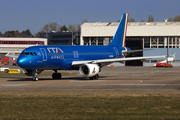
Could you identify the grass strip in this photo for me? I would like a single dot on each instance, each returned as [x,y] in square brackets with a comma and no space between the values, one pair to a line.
[88,105]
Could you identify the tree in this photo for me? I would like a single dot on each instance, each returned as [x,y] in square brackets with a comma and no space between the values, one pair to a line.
[72,28]
[45,28]
[51,27]
[84,21]
[150,18]
[131,20]
[142,21]
[26,33]
[170,19]
[63,28]
[37,34]
[177,18]
[78,27]
[12,34]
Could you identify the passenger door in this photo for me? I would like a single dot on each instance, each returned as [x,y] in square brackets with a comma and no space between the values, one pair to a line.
[44,54]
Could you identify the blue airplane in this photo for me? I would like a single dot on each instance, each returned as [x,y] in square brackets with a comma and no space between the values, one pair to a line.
[87,59]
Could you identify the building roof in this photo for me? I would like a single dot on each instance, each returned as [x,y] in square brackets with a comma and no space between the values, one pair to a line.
[131,24]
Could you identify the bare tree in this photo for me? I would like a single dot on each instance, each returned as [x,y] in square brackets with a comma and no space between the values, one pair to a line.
[50,27]
[177,18]
[150,18]
[45,28]
[131,20]
[72,28]
[53,26]
[78,27]
[170,19]
[84,21]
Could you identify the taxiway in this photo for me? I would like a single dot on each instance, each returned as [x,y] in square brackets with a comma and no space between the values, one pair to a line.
[118,78]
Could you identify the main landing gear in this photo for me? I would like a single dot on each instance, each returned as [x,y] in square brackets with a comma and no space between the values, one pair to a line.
[94,77]
[56,75]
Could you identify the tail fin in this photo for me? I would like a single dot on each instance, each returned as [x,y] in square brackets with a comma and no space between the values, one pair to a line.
[120,36]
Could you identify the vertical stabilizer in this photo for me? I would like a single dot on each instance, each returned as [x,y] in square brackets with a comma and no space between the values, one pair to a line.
[120,36]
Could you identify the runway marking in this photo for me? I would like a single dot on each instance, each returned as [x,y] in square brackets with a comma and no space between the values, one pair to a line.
[142,84]
[14,84]
[145,74]
[87,80]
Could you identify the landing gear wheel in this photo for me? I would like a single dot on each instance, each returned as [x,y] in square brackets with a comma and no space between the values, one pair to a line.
[94,77]
[35,78]
[54,76]
[58,76]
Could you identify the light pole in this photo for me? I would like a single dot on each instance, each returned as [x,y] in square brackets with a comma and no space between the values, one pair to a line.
[72,37]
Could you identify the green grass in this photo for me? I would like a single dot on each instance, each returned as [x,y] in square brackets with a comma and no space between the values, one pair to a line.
[44,73]
[89,105]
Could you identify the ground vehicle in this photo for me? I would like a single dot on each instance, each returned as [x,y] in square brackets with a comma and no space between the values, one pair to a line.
[163,65]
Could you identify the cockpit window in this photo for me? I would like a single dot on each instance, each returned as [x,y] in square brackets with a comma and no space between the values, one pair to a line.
[31,53]
[26,53]
[22,53]
[34,53]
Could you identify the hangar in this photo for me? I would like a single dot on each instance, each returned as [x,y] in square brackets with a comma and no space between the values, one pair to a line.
[140,35]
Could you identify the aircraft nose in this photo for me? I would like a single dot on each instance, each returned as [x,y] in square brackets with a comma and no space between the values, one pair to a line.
[22,62]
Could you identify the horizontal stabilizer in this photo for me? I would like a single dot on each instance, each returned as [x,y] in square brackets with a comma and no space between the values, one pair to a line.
[136,50]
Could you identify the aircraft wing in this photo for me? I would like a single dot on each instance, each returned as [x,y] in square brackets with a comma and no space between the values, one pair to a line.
[114,60]
[13,56]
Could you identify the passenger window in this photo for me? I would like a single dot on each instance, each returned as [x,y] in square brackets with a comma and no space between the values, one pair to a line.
[26,53]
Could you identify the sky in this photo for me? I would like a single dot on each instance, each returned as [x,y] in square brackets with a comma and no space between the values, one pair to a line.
[34,14]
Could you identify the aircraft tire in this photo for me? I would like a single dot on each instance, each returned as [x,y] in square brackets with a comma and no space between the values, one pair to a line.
[96,76]
[35,78]
[58,76]
[54,76]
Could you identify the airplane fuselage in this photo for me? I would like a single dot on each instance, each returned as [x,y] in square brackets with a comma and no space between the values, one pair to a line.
[61,57]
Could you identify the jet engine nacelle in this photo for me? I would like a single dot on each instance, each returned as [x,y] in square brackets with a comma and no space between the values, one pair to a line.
[89,70]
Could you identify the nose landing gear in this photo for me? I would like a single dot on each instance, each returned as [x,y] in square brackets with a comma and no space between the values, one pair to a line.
[35,78]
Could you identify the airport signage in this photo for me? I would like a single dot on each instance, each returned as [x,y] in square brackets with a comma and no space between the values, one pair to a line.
[12,70]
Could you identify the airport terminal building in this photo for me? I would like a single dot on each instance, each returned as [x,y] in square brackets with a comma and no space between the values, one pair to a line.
[140,35]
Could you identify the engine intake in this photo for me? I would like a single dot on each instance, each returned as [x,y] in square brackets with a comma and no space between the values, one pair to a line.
[89,70]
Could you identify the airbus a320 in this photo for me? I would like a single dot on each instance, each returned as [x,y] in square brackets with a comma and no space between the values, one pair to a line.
[87,59]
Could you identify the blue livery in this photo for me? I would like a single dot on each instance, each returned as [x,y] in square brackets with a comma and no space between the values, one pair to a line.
[87,59]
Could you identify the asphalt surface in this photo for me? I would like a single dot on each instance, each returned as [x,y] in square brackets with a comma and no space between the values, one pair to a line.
[118,78]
